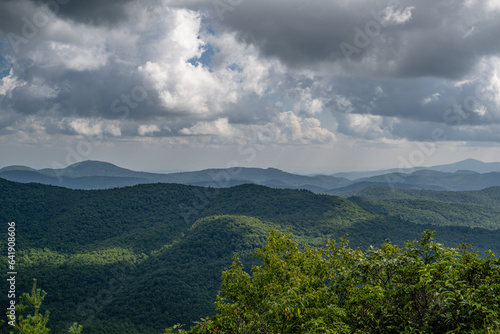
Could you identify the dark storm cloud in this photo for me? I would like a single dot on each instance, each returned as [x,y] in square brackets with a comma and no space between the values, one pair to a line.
[80,70]
[438,132]
[384,69]
[298,32]
[441,38]
[405,98]
[107,93]
[12,14]
[97,12]
[48,76]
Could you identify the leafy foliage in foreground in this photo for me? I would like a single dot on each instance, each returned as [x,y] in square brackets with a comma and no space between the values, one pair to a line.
[421,288]
[35,323]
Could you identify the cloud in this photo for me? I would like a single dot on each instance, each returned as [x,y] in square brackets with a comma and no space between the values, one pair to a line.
[432,98]
[392,16]
[77,58]
[94,128]
[286,128]
[180,70]
[490,90]
[93,12]
[148,129]
[302,130]
[407,38]
[342,103]
[220,127]
[289,129]
[7,84]
[307,103]
[154,54]
[371,127]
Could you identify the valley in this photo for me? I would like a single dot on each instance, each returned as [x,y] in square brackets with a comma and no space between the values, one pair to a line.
[137,259]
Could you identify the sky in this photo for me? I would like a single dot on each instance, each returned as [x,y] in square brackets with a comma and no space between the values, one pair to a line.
[306,86]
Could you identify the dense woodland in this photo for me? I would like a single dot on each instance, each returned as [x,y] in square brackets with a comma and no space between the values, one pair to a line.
[139,259]
[421,288]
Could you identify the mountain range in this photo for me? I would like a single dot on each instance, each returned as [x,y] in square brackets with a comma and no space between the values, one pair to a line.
[464,165]
[134,260]
[464,175]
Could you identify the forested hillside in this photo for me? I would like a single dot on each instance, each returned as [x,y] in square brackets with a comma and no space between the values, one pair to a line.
[421,288]
[443,208]
[139,259]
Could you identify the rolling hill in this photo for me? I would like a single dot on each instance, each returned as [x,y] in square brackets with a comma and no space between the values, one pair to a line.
[471,165]
[445,208]
[101,175]
[424,179]
[138,259]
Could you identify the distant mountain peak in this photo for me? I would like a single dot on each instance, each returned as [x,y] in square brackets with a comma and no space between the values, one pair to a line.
[97,168]
[469,164]
[465,172]
[472,160]
[16,168]
[92,163]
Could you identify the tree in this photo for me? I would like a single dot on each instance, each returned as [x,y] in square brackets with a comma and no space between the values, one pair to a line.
[36,323]
[421,288]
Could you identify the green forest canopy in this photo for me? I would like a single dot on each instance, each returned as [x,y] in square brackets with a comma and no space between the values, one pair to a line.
[421,288]
[127,261]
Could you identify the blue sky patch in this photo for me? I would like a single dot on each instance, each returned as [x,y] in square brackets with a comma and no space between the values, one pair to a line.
[205,59]
[5,67]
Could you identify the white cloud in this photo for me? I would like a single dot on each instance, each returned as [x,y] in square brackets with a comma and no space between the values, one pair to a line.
[7,84]
[309,104]
[198,89]
[31,130]
[343,104]
[434,97]
[286,128]
[394,17]
[289,128]
[493,87]
[77,58]
[493,5]
[93,127]
[366,126]
[480,111]
[255,74]
[484,98]
[69,45]
[86,127]
[113,129]
[148,129]
[220,127]
[36,88]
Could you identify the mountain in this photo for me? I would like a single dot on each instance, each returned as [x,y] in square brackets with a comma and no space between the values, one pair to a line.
[26,176]
[486,197]
[93,168]
[444,208]
[436,180]
[138,259]
[16,168]
[471,165]
[101,175]
[356,187]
